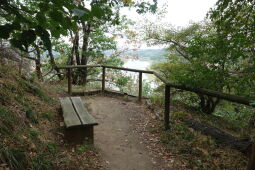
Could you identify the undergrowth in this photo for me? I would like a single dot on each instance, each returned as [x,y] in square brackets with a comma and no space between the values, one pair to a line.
[29,127]
[193,149]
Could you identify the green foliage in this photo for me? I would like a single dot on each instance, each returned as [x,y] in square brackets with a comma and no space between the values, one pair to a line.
[122,81]
[44,18]
[195,65]
[23,28]
[147,90]
[200,57]
[234,21]
[240,117]
[189,99]
[39,24]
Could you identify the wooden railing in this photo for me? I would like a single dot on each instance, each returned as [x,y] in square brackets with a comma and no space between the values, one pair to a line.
[168,85]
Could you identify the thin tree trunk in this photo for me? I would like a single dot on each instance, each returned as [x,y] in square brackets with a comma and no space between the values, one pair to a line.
[75,75]
[38,64]
[71,56]
[208,104]
[76,48]
[243,145]
[54,65]
[21,65]
[84,58]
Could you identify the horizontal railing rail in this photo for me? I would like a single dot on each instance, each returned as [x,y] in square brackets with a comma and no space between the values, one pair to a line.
[168,85]
[77,66]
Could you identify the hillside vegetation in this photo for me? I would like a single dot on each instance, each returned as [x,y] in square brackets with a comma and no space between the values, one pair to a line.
[31,137]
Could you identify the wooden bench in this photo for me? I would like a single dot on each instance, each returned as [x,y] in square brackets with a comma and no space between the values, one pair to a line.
[78,122]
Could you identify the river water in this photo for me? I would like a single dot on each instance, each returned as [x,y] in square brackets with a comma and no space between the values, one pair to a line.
[137,64]
[140,65]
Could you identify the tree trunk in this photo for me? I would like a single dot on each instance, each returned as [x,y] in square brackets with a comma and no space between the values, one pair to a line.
[76,48]
[71,57]
[38,64]
[84,57]
[75,73]
[54,65]
[243,145]
[208,104]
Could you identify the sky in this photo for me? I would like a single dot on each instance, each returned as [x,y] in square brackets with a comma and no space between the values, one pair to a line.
[178,13]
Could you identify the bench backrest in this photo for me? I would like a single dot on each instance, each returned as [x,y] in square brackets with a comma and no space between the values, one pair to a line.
[74,112]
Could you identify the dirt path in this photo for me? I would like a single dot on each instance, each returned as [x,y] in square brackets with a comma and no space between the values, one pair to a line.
[115,136]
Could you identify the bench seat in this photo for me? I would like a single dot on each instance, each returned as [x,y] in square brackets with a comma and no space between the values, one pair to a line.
[78,122]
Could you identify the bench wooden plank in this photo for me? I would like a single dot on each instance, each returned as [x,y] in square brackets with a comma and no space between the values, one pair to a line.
[82,112]
[69,114]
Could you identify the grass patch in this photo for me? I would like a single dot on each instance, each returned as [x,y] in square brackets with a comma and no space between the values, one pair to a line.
[47,116]
[15,158]
[35,90]
[4,96]
[53,148]
[34,134]
[6,116]
[6,121]
[40,162]
[83,148]
[197,150]
[32,116]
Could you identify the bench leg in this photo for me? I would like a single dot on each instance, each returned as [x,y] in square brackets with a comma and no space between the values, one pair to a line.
[78,135]
[90,134]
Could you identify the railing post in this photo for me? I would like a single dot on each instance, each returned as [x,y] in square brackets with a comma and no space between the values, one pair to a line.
[103,79]
[140,86]
[69,76]
[167,106]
